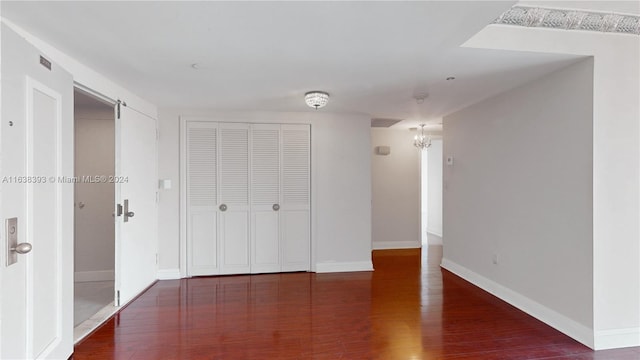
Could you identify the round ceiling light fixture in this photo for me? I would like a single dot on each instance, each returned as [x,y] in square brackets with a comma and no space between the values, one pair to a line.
[316,99]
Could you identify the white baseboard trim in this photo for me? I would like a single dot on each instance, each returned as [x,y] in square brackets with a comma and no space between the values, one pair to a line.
[617,338]
[329,267]
[168,274]
[552,318]
[385,245]
[101,275]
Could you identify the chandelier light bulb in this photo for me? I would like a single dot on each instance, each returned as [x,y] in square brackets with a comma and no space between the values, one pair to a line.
[422,141]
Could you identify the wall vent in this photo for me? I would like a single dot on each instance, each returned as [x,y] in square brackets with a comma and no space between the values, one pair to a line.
[383,123]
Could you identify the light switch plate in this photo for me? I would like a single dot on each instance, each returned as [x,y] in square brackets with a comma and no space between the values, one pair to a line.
[164,184]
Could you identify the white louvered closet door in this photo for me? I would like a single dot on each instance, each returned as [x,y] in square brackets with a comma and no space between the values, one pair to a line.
[295,198]
[265,198]
[202,198]
[233,198]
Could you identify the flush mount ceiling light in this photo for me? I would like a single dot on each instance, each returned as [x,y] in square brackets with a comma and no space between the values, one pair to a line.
[570,20]
[316,99]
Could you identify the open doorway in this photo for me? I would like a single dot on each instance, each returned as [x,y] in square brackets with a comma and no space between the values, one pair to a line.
[94,194]
[431,190]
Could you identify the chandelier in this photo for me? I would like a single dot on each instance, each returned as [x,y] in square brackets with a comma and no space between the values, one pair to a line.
[316,99]
[422,141]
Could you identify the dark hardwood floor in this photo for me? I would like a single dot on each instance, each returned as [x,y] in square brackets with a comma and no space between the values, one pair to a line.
[408,308]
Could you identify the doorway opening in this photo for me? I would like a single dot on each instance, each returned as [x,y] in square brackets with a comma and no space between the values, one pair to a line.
[431,194]
[94,224]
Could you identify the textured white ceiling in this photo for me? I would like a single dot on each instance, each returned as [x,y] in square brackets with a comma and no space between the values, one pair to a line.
[631,7]
[372,57]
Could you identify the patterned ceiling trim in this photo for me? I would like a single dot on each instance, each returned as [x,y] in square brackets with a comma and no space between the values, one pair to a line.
[570,20]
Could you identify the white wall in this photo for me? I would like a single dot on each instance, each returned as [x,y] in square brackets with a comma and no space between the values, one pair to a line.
[520,189]
[94,242]
[434,188]
[340,185]
[616,164]
[395,184]
[169,199]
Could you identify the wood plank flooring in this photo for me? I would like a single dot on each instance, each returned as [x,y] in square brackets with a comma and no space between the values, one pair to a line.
[408,308]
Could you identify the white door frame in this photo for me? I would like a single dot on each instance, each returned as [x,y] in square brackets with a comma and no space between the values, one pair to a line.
[117,222]
[108,102]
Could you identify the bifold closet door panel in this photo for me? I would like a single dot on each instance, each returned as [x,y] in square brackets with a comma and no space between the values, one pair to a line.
[233,208]
[295,240]
[234,235]
[203,254]
[202,198]
[295,198]
[265,246]
[265,198]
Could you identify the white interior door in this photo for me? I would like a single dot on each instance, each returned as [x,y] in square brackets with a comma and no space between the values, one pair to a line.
[36,309]
[202,198]
[136,187]
[295,202]
[265,198]
[234,198]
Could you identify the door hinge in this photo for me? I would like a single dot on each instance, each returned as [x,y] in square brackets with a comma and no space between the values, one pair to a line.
[118,104]
[118,298]
[156,259]
[157,196]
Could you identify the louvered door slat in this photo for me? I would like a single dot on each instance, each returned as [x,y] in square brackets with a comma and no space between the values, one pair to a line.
[265,159]
[295,165]
[201,166]
[234,166]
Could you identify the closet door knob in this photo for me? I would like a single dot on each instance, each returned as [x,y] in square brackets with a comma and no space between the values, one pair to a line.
[223,207]
[275,207]
[22,248]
